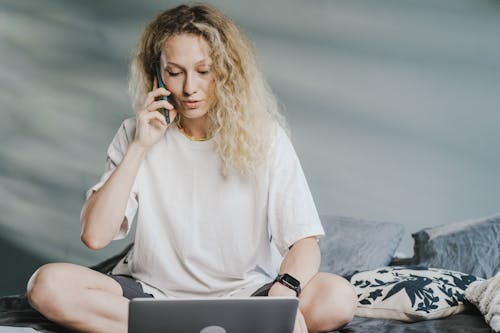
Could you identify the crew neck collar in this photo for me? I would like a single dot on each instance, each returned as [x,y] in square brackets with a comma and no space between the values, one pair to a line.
[198,144]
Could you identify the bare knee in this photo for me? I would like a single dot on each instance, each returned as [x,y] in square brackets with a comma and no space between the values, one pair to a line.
[333,303]
[44,288]
[349,300]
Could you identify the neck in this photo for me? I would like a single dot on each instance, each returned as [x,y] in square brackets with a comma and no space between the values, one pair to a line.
[195,128]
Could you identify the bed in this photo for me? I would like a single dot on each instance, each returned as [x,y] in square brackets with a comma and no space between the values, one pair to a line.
[16,313]
[364,250]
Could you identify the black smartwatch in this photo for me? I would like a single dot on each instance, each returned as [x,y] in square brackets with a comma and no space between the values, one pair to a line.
[289,281]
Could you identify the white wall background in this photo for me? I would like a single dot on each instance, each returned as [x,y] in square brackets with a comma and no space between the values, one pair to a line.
[394,107]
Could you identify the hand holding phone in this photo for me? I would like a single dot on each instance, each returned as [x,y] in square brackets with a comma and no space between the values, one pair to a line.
[161,84]
[150,125]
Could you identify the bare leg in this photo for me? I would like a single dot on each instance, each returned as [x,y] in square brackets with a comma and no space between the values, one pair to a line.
[79,298]
[327,302]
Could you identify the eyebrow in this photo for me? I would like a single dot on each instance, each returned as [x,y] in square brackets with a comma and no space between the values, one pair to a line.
[198,62]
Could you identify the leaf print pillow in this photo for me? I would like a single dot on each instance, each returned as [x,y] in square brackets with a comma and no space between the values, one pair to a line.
[410,293]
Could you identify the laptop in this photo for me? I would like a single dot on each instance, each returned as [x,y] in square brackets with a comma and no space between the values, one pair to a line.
[213,315]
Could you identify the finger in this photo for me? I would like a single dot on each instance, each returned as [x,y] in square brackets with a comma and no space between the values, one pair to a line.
[161,91]
[155,115]
[141,113]
[159,105]
[152,95]
[155,83]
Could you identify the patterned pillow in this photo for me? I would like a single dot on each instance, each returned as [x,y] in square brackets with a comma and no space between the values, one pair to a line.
[410,293]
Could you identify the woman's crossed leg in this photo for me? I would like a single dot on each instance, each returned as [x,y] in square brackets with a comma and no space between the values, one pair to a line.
[79,298]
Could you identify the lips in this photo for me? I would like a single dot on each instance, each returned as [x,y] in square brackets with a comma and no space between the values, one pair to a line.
[192,104]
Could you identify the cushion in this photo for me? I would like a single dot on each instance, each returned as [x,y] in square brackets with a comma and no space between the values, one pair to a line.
[485,295]
[410,293]
[351,245]
[469,246]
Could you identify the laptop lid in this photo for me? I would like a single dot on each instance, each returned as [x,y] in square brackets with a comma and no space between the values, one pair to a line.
[213,315]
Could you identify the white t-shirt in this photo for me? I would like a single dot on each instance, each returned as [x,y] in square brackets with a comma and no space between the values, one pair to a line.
[200,233]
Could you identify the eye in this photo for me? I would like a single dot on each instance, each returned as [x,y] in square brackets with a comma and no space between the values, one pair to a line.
[204,72]
[173,73]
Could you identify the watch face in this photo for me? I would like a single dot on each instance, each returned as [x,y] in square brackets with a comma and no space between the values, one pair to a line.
[290,280]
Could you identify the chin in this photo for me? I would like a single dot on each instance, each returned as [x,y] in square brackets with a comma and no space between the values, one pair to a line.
[194,113]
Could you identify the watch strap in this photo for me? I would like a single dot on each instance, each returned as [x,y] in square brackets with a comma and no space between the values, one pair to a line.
[289,281]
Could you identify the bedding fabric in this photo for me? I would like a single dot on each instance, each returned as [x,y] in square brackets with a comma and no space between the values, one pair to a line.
[460,323]
[485,295]
[470,246]
[351,245]
[16,313]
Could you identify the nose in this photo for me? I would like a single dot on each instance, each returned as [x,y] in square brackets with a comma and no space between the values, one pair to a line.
[189,85]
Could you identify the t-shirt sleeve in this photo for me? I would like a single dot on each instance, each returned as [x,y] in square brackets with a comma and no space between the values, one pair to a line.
[292,214]
[115,153]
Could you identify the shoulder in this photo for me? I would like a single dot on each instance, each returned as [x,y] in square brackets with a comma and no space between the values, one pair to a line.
[281,151]
[280,135]
[282,139]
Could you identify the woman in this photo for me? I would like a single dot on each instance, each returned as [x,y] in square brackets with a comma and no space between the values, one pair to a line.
[216,191]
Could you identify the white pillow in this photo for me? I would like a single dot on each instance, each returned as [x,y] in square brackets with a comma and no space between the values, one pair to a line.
[410,293]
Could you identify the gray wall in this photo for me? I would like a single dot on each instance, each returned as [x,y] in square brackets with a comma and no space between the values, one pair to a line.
[393,105]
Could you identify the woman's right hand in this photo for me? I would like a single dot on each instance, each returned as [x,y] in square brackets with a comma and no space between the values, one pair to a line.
[150,123]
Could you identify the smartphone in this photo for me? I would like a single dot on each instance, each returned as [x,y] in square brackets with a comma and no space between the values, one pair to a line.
[161,84]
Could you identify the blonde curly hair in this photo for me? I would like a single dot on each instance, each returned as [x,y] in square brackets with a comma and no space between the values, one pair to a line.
[245,112]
